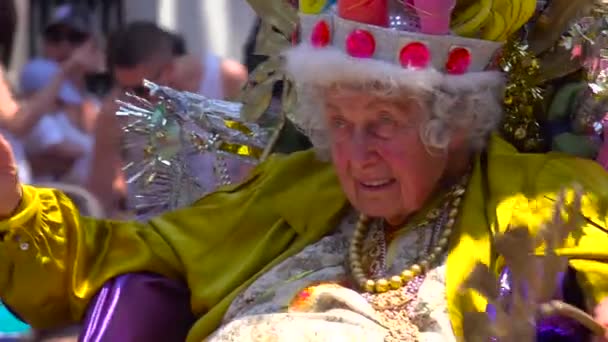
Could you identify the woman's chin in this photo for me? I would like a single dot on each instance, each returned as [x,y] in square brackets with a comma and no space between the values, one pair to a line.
[378,210]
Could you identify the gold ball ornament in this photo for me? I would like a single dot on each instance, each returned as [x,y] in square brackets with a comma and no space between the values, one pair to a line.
[382,285]
[396,282]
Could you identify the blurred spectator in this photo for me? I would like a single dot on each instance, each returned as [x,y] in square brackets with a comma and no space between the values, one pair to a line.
[179,45]
[17,119]
[59,146]
[8,23]
[139,51]
[142,50]
[70,27]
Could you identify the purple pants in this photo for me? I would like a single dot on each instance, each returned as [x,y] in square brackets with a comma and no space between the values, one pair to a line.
[146,307]
[139,307]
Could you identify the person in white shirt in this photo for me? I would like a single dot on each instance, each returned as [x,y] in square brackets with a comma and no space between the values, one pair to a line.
[19,117]
[59,140]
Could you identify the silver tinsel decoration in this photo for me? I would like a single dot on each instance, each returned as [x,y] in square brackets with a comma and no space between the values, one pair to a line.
[181,146]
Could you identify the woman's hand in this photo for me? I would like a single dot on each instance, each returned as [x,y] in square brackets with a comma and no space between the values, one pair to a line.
[10,189]
[601,315]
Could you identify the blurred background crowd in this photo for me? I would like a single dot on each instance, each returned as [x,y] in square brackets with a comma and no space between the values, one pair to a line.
[65,63]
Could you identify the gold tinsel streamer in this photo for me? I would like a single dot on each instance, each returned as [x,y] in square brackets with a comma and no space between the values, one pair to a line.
[522,96]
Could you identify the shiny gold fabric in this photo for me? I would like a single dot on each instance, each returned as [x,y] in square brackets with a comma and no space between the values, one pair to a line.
[52,261]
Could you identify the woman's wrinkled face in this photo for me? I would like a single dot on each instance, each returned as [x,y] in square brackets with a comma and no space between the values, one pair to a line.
[384,167]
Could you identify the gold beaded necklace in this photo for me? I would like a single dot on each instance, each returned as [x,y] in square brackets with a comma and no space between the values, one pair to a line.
[454,199]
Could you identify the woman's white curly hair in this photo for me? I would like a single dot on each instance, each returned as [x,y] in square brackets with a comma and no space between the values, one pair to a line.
[471,100]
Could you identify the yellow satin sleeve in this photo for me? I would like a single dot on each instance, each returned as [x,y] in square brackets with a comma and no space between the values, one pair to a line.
[53,261]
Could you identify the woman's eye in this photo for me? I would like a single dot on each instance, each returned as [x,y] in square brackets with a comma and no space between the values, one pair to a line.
[385,127]
[387,119]
[339,128]
[338,123]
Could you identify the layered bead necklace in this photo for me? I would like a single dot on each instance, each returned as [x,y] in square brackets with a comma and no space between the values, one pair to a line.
[393,298]
[397,281]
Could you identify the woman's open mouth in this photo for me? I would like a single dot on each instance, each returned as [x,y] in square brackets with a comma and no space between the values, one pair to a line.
[378,184]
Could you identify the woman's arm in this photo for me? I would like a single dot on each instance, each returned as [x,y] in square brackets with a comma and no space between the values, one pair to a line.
[53,261]
[234,77]
[8,105]
[106,179]
[20,118]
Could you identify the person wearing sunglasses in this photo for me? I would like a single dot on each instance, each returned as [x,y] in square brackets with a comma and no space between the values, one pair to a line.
[69,31]
[70,26]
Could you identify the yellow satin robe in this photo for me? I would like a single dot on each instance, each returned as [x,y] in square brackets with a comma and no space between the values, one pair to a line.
[52,260]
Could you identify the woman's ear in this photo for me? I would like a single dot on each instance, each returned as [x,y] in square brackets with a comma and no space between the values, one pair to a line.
[458,139]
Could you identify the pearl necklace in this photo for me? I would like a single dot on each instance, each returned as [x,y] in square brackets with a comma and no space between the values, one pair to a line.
[454,198]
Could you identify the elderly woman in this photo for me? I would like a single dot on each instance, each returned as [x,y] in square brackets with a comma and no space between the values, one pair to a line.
[372,245]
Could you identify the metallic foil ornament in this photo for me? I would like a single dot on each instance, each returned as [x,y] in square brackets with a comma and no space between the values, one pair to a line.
[587,41]
[180,146]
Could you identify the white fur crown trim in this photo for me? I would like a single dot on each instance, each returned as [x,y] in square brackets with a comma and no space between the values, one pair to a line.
[311,66]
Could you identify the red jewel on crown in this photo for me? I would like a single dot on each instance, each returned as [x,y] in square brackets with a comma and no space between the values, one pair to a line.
[459,61]
[360,44]
[415,55]
[321,34]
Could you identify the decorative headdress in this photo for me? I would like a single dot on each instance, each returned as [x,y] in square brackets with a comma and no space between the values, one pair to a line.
[534,43]
[418,44]
[417,37]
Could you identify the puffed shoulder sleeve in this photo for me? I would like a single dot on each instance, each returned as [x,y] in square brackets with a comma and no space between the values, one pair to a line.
[52,260]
